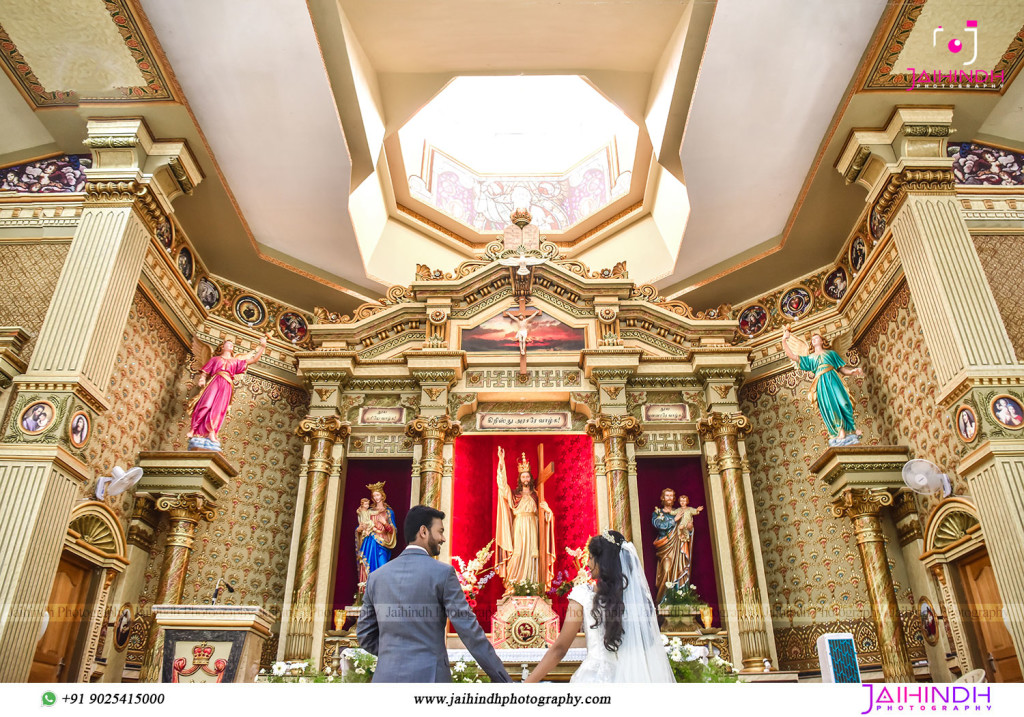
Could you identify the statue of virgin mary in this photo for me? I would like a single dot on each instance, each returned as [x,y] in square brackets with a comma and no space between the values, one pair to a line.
[525,535]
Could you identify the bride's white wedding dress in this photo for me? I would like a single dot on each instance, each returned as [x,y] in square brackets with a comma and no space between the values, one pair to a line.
[641,655]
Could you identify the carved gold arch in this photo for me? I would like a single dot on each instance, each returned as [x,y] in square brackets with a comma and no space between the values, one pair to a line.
[953,530]
[95,534]
[953,525]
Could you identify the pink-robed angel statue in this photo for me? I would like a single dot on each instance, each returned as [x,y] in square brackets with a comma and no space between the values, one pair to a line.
[217,385]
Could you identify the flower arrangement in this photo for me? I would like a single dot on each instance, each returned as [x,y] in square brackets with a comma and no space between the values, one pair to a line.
[691,663]
[677,595]
[564,582]
[362,665]
[472,576]
[301,671]
[467,671]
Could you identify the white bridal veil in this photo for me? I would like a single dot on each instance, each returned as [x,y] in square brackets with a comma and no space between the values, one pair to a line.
[641,656]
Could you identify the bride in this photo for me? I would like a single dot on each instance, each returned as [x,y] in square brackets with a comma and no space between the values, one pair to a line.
[623,641]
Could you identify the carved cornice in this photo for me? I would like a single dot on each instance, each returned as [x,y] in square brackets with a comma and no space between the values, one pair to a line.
[612,375]
[857,502]
[111,142]
[445,376]
[135,193]
[716,424]
[604,427]
[440,427]
[329,428]
[912,180]
[382,384]
[187,506]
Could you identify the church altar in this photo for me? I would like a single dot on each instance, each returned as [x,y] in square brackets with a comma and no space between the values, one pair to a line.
[601,394]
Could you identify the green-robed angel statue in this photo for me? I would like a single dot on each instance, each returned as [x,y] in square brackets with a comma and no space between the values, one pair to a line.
[827,389]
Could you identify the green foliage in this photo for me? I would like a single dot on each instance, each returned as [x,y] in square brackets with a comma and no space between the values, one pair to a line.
[527,588]
[467,671]
[682,596]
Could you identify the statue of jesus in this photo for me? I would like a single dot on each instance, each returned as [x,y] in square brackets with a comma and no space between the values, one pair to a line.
[525,535]
[522,333]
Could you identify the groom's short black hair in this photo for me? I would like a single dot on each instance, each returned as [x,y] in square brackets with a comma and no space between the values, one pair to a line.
[420,515]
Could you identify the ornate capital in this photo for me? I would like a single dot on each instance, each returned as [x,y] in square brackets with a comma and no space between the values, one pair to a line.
[329,428]
[857,502]
[192,507]
[442,427]
[604,427]
[912,180]
[438,375]
[717,424]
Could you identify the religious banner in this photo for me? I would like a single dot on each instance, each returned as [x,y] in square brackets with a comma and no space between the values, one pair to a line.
[554,420]
[382,415]
[666,412]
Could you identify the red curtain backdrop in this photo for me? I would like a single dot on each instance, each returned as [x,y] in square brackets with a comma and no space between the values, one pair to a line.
[685,476]
[397,475]
[570,492]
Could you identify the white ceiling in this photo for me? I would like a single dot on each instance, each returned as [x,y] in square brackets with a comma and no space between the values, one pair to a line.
[772,77]
[254,77]
[519,35]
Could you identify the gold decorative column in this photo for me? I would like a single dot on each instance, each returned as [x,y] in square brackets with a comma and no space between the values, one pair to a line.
[726,430]
[615,432]
[863,505]
[321,434]
[912,192]
[433,433]
[185,512]
[862,480]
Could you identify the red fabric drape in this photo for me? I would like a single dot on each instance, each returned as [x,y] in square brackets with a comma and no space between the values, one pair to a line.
[685,476]
[570,492]
[397,475]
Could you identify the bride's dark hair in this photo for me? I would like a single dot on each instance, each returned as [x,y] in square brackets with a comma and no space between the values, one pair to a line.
[608,607]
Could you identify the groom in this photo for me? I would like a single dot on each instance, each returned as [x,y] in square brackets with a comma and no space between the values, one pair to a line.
[407,604]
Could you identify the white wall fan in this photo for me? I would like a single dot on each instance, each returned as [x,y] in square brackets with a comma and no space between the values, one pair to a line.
[118,482]
[926,478]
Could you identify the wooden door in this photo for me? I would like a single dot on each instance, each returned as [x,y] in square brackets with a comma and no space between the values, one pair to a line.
[55,651]
[985,611]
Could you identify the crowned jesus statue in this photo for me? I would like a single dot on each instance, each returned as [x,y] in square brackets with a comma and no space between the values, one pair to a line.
[525,535]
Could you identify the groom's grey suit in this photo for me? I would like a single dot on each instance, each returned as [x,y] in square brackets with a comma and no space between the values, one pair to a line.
[406,606]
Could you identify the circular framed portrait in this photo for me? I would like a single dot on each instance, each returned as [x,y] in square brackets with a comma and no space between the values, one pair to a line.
[292,327]
[165,233]
[753,319]
[858,253]
[36,417]
[796,302]
[876,224]
[1008,412]
[185,265]
[208,293]
[123,627]
[966,424]
[835,284]
[80,429]
[250,311]
[929,621]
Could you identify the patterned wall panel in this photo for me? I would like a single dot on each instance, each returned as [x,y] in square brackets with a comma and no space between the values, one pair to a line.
[811,561]
[813,569]
[901,388]
[30,274]
[1000,257]
[144,398]
[247,543]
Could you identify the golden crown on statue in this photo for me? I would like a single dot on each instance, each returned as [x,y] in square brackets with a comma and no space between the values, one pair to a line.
[376,486]
[524,464]
[201,654]
[521,217]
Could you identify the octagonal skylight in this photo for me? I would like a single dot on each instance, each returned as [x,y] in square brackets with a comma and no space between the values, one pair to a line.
[487,145]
